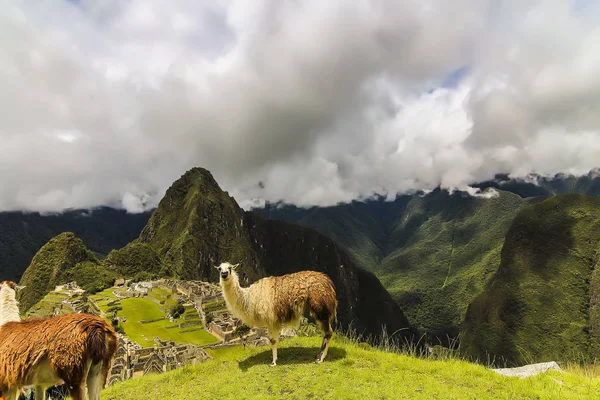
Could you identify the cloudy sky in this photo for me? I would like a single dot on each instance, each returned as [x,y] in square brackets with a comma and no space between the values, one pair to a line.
[107,102]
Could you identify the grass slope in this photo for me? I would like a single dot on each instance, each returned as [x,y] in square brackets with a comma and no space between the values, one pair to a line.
[350,372]
[52,302]
[542,303]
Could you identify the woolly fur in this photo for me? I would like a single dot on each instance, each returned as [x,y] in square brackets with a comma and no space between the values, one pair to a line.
[9,306]
[74,347]
[280,301]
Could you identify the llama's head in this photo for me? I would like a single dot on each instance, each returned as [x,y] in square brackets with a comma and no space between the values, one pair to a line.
[10,285]
[226,270]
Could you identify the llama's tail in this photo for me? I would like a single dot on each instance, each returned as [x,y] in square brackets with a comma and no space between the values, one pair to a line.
[101,341]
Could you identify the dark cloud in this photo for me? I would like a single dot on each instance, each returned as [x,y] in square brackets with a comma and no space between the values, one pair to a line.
[106,103]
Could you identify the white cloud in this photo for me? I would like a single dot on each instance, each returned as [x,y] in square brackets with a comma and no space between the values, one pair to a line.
[106,103]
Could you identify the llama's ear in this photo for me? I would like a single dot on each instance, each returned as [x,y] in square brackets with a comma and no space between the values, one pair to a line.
[234,266]
[217,267]
[19,287]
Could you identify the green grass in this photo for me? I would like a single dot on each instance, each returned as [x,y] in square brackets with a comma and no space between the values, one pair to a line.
[136,309]
[101,299]
[217,305]
[46,305]
[349,372]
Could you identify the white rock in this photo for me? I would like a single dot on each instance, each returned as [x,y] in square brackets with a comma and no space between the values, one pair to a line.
[528,370]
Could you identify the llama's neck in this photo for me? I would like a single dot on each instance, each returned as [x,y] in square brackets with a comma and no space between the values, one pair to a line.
[235,295]
[9,306]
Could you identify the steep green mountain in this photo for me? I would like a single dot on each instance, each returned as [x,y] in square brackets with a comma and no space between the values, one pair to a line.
[442,252]
[433,252]
[536,185]
[543,302]
[102,229]
[63,259]
[197,226]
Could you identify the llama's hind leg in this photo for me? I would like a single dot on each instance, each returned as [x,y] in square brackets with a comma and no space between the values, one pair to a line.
[274,338]
[328,332]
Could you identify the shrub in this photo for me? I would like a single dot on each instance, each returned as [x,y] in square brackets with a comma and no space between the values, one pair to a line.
[178,309]
[241,330]
[119,329]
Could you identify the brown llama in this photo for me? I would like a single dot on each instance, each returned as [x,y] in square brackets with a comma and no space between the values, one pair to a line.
[280,301]
[77,348]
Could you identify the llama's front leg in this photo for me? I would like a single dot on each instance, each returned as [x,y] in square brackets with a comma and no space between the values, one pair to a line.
[77,392]
[40,392]
[274,338]
[95,381]
[11,394]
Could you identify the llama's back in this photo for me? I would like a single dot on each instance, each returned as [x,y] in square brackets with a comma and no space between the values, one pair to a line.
[66,342]
[293,293]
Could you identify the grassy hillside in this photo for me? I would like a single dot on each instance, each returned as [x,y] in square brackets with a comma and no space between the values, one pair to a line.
[350,372]
[443,251]
[102,230]
[134,260]
[58,302]
[542,303]
[63,259]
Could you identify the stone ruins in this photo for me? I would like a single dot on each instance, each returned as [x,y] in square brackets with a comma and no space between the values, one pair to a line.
[132,359]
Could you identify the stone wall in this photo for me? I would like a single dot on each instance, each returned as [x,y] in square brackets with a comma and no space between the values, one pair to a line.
[131,360]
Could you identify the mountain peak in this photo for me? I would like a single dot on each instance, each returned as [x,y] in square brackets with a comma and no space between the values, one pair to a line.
[64,258]
[197,173]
